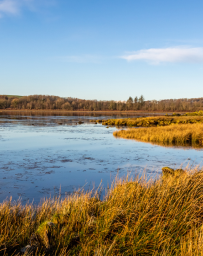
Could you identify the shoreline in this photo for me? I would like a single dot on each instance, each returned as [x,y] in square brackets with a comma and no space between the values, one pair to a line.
[87,111]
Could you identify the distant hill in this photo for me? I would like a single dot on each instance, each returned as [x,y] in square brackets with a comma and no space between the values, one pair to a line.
[45,102]
[12,96]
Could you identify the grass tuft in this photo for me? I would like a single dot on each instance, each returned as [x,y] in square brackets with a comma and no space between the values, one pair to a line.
[154,121]
[137,217]
[184,134]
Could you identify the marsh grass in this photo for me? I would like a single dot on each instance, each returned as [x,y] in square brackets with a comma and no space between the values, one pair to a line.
[154,121]
[197,113]
[184,134]
[137,217]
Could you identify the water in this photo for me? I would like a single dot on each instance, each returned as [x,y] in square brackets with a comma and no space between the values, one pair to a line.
[42,156]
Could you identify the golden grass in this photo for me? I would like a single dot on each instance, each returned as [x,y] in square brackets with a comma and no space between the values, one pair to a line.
[137,217]
[197,113]
[184,134]
[154,121]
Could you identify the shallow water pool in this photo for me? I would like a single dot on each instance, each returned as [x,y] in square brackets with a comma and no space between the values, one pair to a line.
[44,156]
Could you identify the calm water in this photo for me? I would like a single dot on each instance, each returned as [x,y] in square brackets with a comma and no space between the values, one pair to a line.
[40,156]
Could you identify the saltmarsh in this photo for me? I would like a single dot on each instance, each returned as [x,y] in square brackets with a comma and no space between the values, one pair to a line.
[177,134]
[154,121]
[137,217]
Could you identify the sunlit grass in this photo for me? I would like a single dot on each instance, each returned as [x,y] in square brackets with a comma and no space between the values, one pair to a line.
[184,134]
[137,217]
[197,113]
[154,121]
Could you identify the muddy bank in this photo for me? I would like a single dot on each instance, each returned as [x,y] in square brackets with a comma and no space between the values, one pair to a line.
[79,113]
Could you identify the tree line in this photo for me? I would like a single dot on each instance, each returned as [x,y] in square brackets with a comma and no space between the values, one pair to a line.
[45,102]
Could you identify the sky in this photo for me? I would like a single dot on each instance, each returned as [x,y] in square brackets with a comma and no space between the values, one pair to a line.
[102,49]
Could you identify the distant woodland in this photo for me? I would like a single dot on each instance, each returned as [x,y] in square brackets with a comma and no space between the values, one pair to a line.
[44,102]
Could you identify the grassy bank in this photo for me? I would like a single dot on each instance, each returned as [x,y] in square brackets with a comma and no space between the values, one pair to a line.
[154,121]
[197,113]
[136,218]
[129,112]
[184,134]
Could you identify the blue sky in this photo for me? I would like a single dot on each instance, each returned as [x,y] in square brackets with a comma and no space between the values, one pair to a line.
[102,49]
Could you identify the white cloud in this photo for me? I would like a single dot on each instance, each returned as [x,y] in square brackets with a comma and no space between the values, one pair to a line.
[9,6]
[171,55]
[14,7]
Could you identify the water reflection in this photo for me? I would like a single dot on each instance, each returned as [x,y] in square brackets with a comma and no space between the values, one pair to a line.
[165,144]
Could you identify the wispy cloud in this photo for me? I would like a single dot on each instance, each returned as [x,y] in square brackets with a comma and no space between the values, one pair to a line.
[14,7]
[11,6]
[171,55]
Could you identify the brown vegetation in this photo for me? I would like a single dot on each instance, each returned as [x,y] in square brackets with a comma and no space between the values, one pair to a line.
[137,217]
[54,102]
[154,121]
[197,113]
[181,134]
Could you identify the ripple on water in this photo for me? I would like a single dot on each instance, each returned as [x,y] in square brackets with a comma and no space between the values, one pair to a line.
[44,159]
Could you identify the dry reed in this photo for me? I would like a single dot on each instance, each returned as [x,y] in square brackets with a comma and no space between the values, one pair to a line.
[185,134]
[154,121]
[137,217]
